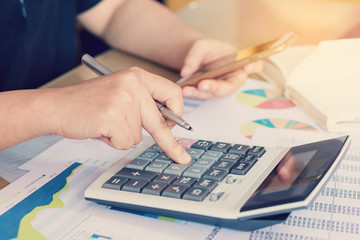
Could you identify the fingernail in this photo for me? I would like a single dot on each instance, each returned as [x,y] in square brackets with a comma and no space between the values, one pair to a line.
[185,157]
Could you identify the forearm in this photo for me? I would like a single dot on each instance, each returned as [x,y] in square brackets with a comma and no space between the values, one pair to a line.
[22,116]
[149,30]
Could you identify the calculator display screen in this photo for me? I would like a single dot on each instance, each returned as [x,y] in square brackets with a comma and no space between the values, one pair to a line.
[296,175]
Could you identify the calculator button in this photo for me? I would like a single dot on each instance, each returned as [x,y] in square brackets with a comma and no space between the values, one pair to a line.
[224,165]
[207,163]
[231,157]
[174,191]
[212,155]
[165,178]
[257,151]
[196,194]
[134,173]
[195,153]
[134,185]
[206,183]
[186,142]
[176,169]
[202,144]
[148,155]
[164,157]
[154,188]
[215,174]
[241,168]
[156,166]
[249,159]
[155,148]
[195,171]
[221,146]
[138,164]
[115,183]
[239,149]
[185,181]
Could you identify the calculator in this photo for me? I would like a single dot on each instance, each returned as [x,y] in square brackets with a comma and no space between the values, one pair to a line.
[226,184]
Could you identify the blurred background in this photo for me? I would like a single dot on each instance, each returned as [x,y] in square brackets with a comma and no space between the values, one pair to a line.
[249,22]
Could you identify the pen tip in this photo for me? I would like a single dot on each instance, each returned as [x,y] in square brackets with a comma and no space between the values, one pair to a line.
[190,129]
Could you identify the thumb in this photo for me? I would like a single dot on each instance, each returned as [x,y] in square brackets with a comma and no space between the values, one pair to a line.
[193,60]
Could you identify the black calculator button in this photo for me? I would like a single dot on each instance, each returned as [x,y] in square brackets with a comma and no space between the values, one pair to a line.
[115,183]
[202,144]
[241,168]
[249,159]
[257,151]
[136,174]
[174,191]
[210,184]
[154,188]
[224,165]
[239,149]
[231,157]
[215,174]
[165,178]
[196,194]
[221,147]
[185,181]
[134,185]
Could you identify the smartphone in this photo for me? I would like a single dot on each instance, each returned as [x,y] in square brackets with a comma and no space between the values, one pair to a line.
[240,59]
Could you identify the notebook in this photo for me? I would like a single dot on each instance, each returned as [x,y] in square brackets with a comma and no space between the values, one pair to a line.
[226,184]
[323,80]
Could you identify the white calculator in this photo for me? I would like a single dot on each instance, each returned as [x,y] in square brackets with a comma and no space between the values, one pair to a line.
[226,184]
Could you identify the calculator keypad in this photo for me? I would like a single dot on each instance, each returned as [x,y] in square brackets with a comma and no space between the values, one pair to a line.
[153,172]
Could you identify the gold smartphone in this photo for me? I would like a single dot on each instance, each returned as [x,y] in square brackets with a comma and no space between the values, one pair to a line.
[240,59]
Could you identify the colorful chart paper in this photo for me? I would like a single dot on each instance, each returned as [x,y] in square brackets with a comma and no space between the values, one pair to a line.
[248,129]
[264,98]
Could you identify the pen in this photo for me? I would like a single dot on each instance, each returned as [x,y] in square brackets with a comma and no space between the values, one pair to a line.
[102,70]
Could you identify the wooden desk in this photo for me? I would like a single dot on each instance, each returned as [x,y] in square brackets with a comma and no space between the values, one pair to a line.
[115,60]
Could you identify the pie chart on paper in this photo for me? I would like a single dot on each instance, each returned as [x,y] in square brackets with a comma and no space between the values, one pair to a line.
[248,129]
[264,98]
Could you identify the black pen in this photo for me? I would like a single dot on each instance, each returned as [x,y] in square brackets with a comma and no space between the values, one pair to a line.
[102,70]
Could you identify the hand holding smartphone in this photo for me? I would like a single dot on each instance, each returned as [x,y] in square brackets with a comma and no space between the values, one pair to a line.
[242,58]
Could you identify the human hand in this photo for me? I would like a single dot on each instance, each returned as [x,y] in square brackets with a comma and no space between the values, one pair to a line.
[115,107]
[206,52]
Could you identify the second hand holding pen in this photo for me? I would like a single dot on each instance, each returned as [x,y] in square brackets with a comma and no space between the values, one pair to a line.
[101,70]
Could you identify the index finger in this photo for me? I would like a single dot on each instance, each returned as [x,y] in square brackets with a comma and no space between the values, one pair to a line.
[156,126]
